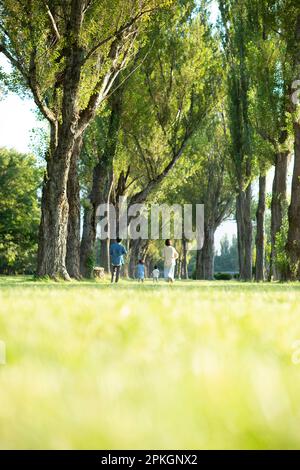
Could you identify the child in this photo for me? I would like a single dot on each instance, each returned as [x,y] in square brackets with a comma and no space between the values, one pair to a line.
[140,271]
[155,274]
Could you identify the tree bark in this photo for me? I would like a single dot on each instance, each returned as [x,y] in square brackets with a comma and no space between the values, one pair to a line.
[87,246]
[178,267]
[104,255]
[260,231]
[185,274]
[73,241]
[244,229]
[54,217]
[279,201]
[205,256]
[134,255]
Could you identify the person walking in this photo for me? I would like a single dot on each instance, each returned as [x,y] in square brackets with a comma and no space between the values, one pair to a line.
[155,274]
[117,252]
[140,271]
[170,256]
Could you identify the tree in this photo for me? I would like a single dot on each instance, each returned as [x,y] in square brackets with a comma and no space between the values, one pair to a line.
[291,25]
[210,185]
[236,31]
[20,180]
[269,107]
[227,260]
[68,54]
[260,231]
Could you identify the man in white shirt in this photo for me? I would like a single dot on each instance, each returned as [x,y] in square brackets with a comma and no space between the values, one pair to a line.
[170,256]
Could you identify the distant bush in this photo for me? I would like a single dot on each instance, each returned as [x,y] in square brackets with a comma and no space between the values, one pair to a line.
[193,275]
[228,259]
[19,212]
[223,277]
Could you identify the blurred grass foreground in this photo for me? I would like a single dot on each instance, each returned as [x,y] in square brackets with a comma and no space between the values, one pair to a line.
[197,365]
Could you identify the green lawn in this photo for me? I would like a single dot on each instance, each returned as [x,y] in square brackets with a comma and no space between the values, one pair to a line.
[192,365]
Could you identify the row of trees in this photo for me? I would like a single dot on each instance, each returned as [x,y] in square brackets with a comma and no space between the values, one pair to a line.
[261,43]
[147,99]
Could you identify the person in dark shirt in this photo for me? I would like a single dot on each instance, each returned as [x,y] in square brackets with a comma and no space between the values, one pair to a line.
[117,252]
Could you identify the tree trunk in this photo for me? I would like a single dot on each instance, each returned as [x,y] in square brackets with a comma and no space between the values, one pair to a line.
[101,187]
[279,200]
[179,267]
[260,231]
[98,196]
[185,274]
[104,255]
[55,207]
[205,256]
[87,246]
[54,216]
[137,250]
[293,242]
[134,255]
[73,241]
[147,267]
[244,229]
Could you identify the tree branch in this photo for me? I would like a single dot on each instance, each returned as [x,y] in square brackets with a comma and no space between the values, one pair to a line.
[117,33]
[265,136]
[104,84]
[54,25]
[34,86]
[141,152]
[13,60]
[143,194]
[30,79]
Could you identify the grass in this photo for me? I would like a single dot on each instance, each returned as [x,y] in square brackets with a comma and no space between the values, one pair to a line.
[193,365]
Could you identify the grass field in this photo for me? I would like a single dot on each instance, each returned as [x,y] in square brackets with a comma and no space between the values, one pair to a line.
[193,365]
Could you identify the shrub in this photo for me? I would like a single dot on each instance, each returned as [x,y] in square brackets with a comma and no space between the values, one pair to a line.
[223,276]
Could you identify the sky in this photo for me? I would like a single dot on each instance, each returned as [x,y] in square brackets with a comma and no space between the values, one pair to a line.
[16,123]
[214,11]
[17,118]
